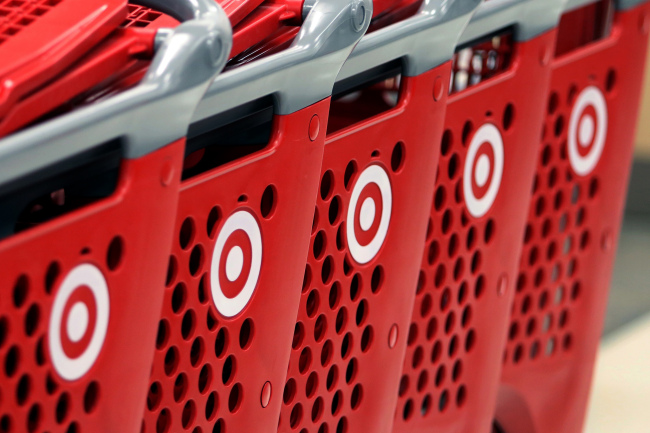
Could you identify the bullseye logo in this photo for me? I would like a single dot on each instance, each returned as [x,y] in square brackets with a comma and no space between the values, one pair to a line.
[369,214]
[483,170]
[78,321]
[236,263]
[587,130]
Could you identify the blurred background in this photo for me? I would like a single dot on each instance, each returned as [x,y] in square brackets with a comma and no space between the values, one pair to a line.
[621,391]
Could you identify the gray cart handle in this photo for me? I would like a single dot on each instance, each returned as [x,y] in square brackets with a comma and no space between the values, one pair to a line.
[530,18]
[147,117]
[425,40]
[304,73]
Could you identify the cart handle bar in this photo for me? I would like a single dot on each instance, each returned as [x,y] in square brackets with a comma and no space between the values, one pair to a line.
[147,117]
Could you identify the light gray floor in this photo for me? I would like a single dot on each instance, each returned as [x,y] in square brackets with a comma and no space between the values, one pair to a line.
[621,388]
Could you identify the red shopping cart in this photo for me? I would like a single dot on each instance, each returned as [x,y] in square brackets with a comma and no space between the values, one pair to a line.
[249,180]
[81,274]
[501,71]
[375,190]
[575,214]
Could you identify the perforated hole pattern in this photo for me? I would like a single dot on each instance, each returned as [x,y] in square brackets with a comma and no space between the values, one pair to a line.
[140,16]
[196,384]
[34,398]
[549,288]
[333,337]
[16,15]
[477,63]
[451,286]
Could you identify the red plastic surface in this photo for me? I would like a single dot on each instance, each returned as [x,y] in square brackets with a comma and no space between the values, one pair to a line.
[213,372]
[130,254]
[255,25]
[571,234]
[451,370]
[40,39]
[140,16]
[390,7]
[352,323]
[256,35]
[122,56]
[236,10]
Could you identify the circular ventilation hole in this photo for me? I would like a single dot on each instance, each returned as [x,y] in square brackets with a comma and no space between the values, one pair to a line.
[269,201]
[205,378]
[187,233]
[221,343]
[327,185]
[228,370]
[21,290]
[235,398]
[115,253]
[397,157]
[91,397]
[213,218]
[246,334]
[180,387]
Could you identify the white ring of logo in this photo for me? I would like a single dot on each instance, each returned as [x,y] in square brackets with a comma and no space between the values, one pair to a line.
[241,220]
[82,275]
[377,175]
[480,206]
[583,165]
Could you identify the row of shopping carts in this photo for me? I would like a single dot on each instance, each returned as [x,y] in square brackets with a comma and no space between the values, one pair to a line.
[317,216]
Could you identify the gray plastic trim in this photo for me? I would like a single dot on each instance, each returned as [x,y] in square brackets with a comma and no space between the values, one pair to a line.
[151,115]
[628,4]
[570,5]
[425,40]
[304,73]
[530,18]
[619,4]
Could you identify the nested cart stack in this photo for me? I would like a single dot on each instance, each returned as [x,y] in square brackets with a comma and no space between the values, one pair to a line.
[501,70]
[376,186]
[242,228]
[307,216]
[81,276]
[576,206]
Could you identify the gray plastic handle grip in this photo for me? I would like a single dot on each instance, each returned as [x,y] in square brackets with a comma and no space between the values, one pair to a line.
[425,40]
[530,18]
[153,114]
[304,73]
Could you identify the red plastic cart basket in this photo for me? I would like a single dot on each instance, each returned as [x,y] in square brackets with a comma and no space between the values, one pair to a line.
[242,232]
[39,39]
[451,371]
[256,24]
[376,187]
[87,210]
[574,218]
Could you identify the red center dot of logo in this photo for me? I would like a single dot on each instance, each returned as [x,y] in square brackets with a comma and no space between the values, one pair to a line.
[235,263]
[482,170]
[367,215]
[78,322]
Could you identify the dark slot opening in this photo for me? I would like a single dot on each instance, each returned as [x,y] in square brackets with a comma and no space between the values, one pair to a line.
[60,188]
[496,427]
[228,136]
[365,95]
[583,26]
[481,59]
